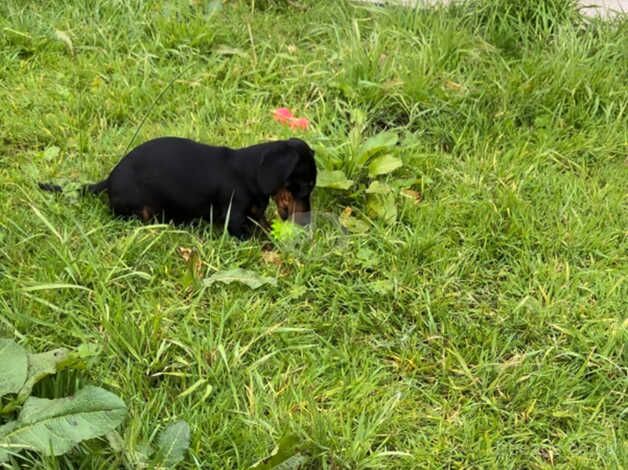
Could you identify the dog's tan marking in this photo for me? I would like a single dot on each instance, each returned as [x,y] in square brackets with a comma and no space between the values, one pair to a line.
[146,213]
[286,203]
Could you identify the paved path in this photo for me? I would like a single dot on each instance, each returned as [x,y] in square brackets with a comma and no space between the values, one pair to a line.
[604,8]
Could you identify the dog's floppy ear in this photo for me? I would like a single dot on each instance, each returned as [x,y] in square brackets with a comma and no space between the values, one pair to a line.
[275,167]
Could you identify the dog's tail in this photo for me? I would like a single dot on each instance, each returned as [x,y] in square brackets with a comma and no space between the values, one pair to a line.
[53,188]
[95,188]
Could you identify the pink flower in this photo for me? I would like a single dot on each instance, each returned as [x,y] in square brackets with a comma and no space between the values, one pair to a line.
[299,123]
[283,115]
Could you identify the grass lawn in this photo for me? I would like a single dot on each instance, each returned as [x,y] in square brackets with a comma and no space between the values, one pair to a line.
[481,326]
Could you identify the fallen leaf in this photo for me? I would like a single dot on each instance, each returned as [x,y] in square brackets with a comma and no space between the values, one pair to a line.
[194,265]
[65,38]
[242,276]
[453,85]
[226,50]
[186,253]
[411,194]
[352,224]
[272,257]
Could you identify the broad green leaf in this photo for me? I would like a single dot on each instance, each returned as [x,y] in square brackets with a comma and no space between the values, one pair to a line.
[6,449]
[88,350]
[138,454]
[283,457]
[400,183]
[77,359]
[284,230]
[382,287]
[358,117]
[115,441]
[172,444]
[333,179]
[51,153]
[14,366]
[52,427]
[382,207]
[292,463]
[367,257]
[384,165]
[81,356]
[243,276]
[377,143]
[40,366]
[377,187]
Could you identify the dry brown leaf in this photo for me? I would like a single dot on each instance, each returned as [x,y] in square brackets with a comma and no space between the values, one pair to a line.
[191,258]
[272,257]
[185,253]
[65,38]
[453,85]
[411,194]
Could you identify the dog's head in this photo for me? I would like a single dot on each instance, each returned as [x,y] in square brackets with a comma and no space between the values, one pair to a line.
[287,172]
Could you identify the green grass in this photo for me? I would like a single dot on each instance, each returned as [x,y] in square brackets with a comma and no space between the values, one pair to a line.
[498,340]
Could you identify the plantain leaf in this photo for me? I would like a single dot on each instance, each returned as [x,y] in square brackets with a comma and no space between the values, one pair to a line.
[39,366]
[14,370]
[377,187]
[333,179]
[383,207]
[53,427]
[51,153]
[173,443]
[384,165]
[284,456]
[292,463]
[377,143]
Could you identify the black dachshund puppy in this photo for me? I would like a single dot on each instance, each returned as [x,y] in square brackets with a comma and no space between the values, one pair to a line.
[181,180]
